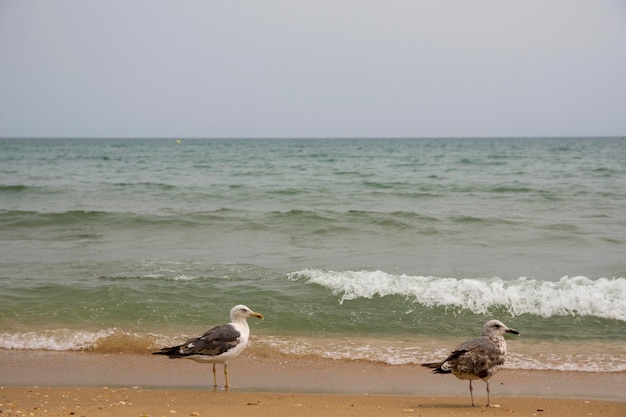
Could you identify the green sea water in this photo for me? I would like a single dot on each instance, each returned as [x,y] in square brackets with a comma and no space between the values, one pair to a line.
[388,250]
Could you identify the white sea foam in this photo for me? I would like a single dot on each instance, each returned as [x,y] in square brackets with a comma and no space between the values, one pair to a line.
[581,357]
[578,296]
[57,339]
[183,277]
[563,356]
[63,339]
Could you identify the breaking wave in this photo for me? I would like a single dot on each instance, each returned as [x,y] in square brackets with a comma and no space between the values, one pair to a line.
[569,296]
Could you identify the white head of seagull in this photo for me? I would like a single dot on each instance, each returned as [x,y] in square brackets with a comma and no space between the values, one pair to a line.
[494,328]
[240,313]
[218,344]
[478,358]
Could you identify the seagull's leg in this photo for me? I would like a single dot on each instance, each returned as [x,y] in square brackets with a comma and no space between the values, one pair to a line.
[214,377]
[226,375]
[472,393]
[488,390]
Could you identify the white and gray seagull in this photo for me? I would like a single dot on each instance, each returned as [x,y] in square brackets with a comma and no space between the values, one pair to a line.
[478,358]
[219,344]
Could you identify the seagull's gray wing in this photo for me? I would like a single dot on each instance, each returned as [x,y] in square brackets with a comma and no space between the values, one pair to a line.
[213,342]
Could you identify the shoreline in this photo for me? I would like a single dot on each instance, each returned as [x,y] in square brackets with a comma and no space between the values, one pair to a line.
[286,374]
[44,383]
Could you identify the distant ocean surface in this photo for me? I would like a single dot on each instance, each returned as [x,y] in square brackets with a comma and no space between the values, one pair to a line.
[385,250]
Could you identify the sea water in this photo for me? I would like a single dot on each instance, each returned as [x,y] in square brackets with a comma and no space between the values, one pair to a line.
[386,250]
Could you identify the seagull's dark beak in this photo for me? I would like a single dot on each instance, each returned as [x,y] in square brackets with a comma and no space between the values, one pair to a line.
[257,315]
[513,331]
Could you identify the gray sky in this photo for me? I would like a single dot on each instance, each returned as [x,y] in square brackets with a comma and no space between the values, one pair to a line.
[322,68]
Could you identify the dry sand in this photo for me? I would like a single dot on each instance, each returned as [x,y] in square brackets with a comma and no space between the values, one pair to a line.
[139,402]
[35,383]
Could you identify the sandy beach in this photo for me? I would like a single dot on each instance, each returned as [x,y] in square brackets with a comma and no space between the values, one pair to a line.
[138,402]
[40,383]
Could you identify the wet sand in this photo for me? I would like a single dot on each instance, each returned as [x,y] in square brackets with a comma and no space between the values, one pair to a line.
[91,384]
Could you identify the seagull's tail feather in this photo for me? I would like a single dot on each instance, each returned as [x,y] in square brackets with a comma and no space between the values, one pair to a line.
[172,352]
[445,367]
[437,367]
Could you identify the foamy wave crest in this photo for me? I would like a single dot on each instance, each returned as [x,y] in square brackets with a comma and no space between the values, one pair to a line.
[105,340]
[576,296]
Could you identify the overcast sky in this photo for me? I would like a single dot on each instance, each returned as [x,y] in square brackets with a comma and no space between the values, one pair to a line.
[319,68]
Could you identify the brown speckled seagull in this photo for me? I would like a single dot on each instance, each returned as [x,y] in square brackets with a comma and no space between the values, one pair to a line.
[219,344]
[478,358]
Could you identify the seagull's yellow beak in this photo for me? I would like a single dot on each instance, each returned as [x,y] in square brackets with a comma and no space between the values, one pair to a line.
[258,315]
